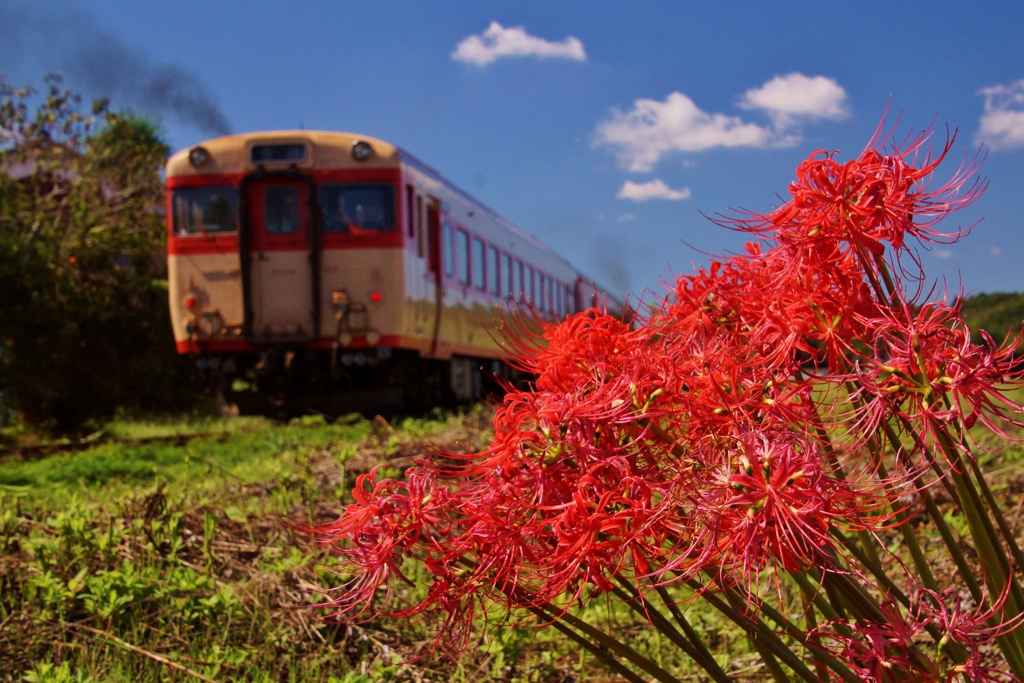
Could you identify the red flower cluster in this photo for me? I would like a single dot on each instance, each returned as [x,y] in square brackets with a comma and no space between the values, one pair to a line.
[740,426]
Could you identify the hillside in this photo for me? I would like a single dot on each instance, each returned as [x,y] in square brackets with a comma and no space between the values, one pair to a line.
[995,313]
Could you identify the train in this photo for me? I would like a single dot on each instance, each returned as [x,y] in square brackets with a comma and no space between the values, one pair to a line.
[339,266]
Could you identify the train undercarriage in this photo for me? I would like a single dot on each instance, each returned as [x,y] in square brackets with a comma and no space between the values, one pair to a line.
[285,383]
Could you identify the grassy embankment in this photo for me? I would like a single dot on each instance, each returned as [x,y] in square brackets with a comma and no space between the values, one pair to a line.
[151,560]
[157,560]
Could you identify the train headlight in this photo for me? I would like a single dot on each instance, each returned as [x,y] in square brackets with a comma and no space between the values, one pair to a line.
[372,337]
[198,156]
[361,150]
[345,339]
[339,298]
[211,324]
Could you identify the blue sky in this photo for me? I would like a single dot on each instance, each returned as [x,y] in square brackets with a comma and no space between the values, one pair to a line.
[605,129]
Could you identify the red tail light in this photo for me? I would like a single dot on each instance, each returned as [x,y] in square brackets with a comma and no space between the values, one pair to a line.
[190,301]
[376,297]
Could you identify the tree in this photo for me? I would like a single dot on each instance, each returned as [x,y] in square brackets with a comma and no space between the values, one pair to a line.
[84,322]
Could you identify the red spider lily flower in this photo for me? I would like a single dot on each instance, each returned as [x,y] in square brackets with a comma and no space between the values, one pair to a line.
[880,651]
[975,671]
[926,371]
[870,200]
[388,521]
[971,629]
[770,503]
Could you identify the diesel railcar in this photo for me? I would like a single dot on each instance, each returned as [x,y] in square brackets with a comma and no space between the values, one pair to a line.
[339,265]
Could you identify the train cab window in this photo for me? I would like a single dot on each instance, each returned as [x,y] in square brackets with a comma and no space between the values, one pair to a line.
[477,268]
[506,276]
[281,209]
[410,209]
[517,281]
[358,208]
[205,210]
[493,274]
[531,288]
[447,248]
[462,254]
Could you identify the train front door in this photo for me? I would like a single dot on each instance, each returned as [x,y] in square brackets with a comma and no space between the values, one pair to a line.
[281,268]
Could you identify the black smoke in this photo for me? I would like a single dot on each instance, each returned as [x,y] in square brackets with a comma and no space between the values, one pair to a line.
[607,254]
[59,38]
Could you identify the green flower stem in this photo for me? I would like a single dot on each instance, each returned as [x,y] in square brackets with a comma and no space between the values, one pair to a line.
[808,642]
[811,622]
[629,595]
[993,506]
[552,614]
[994,562]
[589,646]
[680,618]
[614,644]
[769,660]
[875,568]
[754,627]
[1009,644]
[917,555]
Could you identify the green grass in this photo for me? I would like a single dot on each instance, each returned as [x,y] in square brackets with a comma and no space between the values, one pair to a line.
[135,560]
[138,560]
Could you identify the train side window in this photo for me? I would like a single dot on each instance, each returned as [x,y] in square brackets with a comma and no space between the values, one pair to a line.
[462,255]
[569,302]
[446,248]
[410,209]
[542,295]
[493,274]
[560,298]
[420,232]
[204,210]
[531,285]
[517,281]
[477,267]
[506,276]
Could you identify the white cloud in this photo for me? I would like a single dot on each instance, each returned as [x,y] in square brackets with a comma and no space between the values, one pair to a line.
[787,99]
[651,129]
[944,254]
[1002,124]
[625,217]
[994,251]
[653,189]
[498,41]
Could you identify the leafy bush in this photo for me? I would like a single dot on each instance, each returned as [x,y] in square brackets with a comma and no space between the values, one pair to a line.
[84,322]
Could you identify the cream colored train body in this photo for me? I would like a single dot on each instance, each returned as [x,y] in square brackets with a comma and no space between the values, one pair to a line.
[306,260]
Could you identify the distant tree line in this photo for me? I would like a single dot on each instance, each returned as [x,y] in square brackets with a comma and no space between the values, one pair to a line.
[84,323]
[998,314]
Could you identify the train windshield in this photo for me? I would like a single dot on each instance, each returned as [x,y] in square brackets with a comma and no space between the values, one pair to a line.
[357,207]
[204,210]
